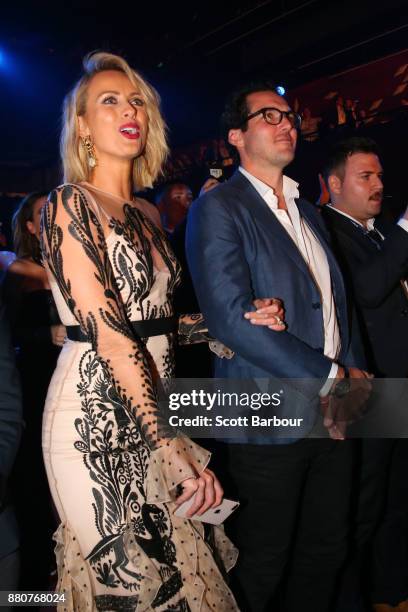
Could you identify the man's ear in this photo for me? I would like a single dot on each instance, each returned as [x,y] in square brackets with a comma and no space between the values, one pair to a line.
[235,138]
[334,184]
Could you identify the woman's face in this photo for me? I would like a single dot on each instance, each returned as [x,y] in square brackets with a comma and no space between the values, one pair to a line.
[115,117]
[34,225]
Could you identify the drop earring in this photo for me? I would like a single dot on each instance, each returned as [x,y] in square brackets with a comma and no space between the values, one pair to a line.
[90,150]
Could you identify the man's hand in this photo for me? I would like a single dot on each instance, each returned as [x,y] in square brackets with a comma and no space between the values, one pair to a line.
[269,312]
[340,408]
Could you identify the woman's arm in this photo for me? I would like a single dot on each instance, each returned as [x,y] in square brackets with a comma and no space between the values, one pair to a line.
[73,245]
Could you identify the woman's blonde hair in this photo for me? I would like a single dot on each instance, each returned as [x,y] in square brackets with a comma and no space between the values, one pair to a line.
[148,165]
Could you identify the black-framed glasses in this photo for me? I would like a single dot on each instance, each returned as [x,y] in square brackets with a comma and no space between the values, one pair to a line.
[274,116]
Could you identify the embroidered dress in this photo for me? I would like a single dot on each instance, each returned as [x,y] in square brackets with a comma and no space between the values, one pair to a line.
[111,471]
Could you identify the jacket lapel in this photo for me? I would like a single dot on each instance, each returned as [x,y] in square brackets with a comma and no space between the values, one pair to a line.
[306,212]
[261,213]
[339,290]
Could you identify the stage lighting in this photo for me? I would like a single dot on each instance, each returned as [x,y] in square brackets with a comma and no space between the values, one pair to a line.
[280,90]
[1,58]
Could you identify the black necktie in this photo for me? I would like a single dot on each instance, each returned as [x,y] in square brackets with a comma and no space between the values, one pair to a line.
[375,237]
[373,234]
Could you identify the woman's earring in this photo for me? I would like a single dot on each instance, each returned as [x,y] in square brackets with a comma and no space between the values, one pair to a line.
[90,149]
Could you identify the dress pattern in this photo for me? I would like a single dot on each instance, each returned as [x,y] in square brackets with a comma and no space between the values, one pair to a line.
[111,469]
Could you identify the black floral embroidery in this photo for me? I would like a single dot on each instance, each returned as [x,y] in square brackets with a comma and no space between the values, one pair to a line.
[86,229]
[120,603]
[168,361]
[112,436]
[82,217]
[137,287]
[118,473]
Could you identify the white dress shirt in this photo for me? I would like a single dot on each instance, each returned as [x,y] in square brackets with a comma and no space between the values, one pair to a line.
[315,258]
[370,223]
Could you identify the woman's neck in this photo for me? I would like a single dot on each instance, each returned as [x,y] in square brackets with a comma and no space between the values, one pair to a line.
[114,178]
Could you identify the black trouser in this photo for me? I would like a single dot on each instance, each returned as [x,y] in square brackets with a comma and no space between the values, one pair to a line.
[9,574]
[378,565]
[293,520]
[390,548]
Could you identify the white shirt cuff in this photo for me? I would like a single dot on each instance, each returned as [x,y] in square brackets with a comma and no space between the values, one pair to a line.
[330,380]
[404,224]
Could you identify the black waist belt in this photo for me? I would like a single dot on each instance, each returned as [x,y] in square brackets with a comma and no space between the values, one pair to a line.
[142,329]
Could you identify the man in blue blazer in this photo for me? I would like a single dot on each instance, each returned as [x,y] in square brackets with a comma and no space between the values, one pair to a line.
[254,236]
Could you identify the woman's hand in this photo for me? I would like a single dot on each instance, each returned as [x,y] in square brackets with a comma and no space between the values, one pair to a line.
[269,312]
[58,334]
[207,490]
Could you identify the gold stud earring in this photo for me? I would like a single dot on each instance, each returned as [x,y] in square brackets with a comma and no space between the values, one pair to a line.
[90,149]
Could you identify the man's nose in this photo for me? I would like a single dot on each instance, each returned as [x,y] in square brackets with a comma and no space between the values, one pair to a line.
[285,124]
[378,182]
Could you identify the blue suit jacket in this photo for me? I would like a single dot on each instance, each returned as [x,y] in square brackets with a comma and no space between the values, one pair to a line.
[238,251]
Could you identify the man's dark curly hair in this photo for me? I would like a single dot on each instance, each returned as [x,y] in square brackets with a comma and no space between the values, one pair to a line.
[236,109]
[342,150]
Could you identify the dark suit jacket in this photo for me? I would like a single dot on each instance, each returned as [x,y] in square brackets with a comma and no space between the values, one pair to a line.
[11,421]
[373,279]
[237,250]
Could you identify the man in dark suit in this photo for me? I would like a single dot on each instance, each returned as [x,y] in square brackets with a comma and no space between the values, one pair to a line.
[253,236]
[374,260]
[10,431]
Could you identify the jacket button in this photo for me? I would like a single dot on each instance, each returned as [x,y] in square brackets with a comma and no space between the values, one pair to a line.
[316,305]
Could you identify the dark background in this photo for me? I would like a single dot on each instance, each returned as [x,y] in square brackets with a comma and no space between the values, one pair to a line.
[193,53]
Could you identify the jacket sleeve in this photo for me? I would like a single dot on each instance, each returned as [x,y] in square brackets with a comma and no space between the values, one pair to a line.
[222,280]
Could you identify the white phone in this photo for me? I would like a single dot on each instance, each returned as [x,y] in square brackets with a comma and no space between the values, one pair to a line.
[214,516]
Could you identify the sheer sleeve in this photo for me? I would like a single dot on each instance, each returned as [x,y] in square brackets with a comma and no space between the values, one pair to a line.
[74,248]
